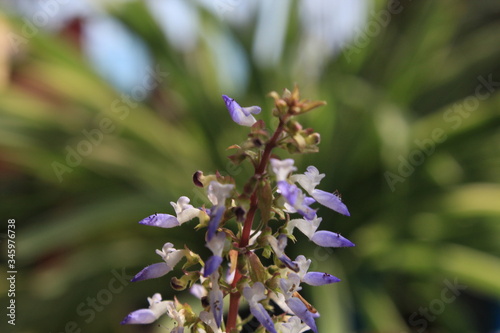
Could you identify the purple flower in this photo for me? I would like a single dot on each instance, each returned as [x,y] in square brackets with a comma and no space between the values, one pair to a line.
[326,238]
[157,308]
[254,295]
[288,287]
[296,201]
[171,257]
[301,311]
[313,278]
[241,116]
[309,180]
[184,211]
[160,220]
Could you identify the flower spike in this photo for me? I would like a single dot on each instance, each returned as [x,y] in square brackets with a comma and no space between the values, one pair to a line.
[245,223]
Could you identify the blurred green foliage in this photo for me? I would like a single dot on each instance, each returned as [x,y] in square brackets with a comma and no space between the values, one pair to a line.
[438,222]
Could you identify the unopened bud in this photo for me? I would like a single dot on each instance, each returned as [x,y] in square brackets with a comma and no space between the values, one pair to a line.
[313,139]
[196,178]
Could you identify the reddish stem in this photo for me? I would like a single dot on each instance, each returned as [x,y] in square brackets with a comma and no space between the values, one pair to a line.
[234,298]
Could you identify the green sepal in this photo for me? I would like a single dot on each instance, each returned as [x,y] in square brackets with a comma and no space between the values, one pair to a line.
[265,199]
[185,281]
[257,271]
[191,258]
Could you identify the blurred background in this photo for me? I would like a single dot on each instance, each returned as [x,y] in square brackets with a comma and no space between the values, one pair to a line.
[108,107]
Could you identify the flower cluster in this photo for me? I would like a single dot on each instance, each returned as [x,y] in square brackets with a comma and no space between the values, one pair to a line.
[240,240]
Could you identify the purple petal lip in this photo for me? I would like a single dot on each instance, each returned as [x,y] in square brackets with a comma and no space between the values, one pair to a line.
[326,238]
[215,218]
[160,220]
[211,265]
[263,317]
[216,304]
[331,201]
[319,279]
[151,272]
[289,263]
[308,214]
[142,316]
[301,311]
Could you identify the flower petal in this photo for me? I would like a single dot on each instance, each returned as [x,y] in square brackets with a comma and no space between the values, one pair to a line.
[303,264]
[241,116]
[211,265]
[308,227]
[254,295]
[282,168]
[301,311]
[289,263]
[218,193]
[215,300]
[310,179]
[198,291]
[262,316]
[293,325]
[157,308]
[216,244]
[326,238]
[184,211]
[319,279]
[160,220]
[153,271]
[331,201]
[208,318]
[290,285]
[142,316]
[289,192]
[215,218]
